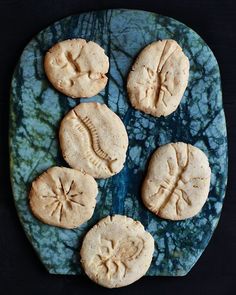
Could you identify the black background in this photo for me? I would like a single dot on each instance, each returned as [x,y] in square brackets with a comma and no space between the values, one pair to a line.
[20,268]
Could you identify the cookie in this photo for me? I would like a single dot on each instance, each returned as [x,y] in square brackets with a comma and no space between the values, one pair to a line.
[117,251]
[63,197]
[158,78]
[77,68]
[177,181]
[93,139]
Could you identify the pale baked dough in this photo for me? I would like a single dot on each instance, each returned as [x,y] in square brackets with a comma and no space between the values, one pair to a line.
[158,78]
[93,139]
[63,197]
[117,251]
[77,68]
[177,181]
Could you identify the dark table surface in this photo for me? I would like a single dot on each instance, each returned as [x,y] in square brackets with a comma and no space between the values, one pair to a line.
[20,268]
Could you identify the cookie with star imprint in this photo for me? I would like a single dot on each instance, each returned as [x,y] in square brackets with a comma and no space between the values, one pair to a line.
[63,197]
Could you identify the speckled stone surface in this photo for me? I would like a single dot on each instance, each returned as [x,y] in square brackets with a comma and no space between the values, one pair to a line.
[37,108]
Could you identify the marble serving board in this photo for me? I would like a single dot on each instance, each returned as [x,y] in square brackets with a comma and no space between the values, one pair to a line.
[36,110]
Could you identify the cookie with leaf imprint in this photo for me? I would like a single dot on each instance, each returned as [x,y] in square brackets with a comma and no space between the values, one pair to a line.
[177,182]
[77,68]
[63,197]
[117,251]
[158,78]
[93,139]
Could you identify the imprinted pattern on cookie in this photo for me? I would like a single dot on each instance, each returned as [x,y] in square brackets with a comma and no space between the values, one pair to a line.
[115,254]
[76,70]
[72,61]
[174,183]
[62,201]
[158,78]
[158,85]
[171,184]
[94,152]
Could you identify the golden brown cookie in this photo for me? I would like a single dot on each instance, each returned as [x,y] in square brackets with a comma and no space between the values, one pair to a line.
[117,251]
[77,68]
[158,78]
[93,139]
[177,181]
[63,197]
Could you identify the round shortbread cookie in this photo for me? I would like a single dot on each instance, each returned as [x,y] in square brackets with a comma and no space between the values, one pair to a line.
[158,78]
[177,181]
[63,197]
[77,68]
[93,139]
[117,251]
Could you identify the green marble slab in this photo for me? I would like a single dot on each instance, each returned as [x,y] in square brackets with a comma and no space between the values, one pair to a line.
[37,108]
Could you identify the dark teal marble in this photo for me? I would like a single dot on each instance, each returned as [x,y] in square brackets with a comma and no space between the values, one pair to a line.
[37,108]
